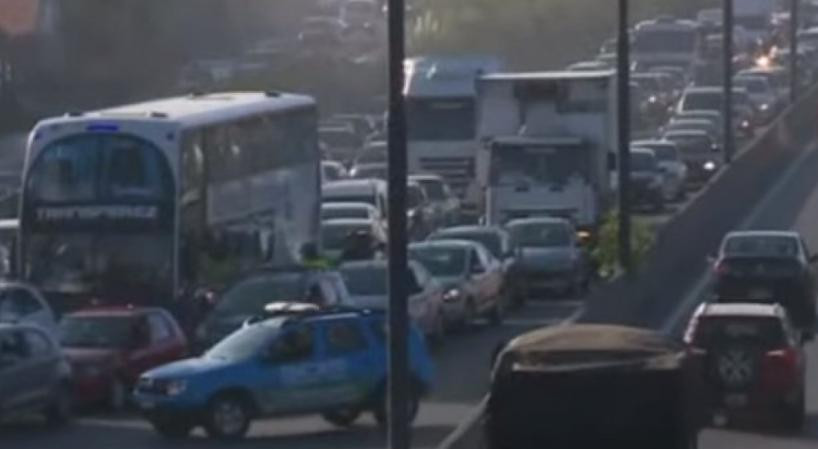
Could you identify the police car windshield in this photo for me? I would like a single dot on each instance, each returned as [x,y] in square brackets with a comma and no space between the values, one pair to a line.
[250,295]
[246,342]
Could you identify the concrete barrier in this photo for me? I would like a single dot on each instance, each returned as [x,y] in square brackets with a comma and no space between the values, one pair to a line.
[679,255]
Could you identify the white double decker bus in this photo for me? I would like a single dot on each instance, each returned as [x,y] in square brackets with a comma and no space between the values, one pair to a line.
[137,203]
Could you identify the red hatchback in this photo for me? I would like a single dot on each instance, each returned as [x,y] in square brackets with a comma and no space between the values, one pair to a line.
[110,347]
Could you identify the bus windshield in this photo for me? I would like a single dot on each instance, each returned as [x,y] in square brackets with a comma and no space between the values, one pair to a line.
[97,216]
[438,119]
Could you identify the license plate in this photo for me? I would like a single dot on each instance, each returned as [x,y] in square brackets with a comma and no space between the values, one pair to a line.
[736,400]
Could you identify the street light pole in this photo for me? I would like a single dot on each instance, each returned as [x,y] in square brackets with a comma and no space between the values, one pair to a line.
[794,19]
[398,378]
[624,141]
[727,106]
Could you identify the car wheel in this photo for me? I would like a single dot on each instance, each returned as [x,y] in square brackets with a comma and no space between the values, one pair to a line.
[117,396]
[343,417]
[60,409]
[227,417]
[173,430]
[381,408]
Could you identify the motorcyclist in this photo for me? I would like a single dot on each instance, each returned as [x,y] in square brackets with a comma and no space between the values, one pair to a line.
[359,246]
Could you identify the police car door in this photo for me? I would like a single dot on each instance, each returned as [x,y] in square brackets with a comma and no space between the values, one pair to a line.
[349,364]
[293,378]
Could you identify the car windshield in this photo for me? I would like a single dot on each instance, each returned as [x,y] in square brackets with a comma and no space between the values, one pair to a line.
[769,246]
[365,280]
[96,331]
[370,172]
[490,240]
[441,261]
[703,101]
[538,235]
[251,295]
[689,144]
[246,342]
[754,84]
[433,188]
[643,162]
[720,330]
[334,236]
[331,213]
[368,199]
[664,152]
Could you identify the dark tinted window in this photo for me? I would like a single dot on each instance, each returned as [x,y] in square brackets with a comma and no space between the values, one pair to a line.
[97,331]
[441,261]
[773,246]
[365,280]
[18,302]
[249,296]
[540,235]
[295,345]
[434,189]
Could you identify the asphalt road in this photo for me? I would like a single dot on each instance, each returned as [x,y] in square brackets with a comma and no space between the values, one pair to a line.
[462,365]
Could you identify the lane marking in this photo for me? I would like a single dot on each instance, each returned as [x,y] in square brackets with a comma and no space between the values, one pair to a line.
[696,293]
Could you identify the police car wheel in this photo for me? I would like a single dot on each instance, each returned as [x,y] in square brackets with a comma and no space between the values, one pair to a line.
[344,417]
[227,417]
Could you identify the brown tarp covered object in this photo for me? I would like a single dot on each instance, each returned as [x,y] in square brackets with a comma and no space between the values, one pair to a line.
[592,385]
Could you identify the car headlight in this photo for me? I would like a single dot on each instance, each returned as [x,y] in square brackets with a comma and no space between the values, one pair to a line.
[745,124]
[175,387]
[709,166]
[452,295]
[653,99]
[764,107]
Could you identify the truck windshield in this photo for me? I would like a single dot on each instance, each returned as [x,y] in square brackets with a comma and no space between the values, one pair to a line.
[512,165]
[439,119]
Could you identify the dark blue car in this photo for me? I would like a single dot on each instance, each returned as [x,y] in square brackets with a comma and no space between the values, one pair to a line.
[332,363]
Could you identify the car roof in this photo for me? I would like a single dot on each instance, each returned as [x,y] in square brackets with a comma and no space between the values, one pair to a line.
[538,220]
[347,222]
[645,151]
[370,165]
[354,184]
[741,310]
[445,243]
[763,233]
[426,177]
[666,143]
[347,205]
[114,310]
[468,229]
[687,133]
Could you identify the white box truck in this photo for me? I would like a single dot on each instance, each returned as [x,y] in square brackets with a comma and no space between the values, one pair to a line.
[545,140]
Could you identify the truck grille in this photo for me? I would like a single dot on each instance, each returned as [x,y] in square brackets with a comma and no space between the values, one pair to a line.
[457,171]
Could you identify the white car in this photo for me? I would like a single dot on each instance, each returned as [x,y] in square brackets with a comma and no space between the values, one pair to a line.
[367,285]
[22,303]
[674,168]
[334,211]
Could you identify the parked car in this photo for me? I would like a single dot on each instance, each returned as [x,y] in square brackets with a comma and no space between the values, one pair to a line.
[333,171]
[367,285]
[335,211]
[699,151]
[370,191]
[109,348]
[373,170]
[248,296]
[23,303]
[34,374]
[648,182]
[753,361]
[335,233]
[768,266]
[471,278]
[333,364]
[444,205]
[667,157]
[550,257]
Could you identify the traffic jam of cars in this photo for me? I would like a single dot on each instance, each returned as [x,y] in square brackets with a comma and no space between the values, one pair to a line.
[297,322]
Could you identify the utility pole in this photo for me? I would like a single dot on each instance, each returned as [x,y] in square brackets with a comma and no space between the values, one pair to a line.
[794,25]
[398,379]
[727,106]
[624,158]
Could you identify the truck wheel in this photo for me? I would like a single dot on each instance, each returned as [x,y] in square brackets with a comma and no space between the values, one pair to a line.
[172,430]
[227,417]
[343,417]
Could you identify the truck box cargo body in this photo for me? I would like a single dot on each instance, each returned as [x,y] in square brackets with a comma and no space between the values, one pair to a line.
[545,139]
[440,103]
